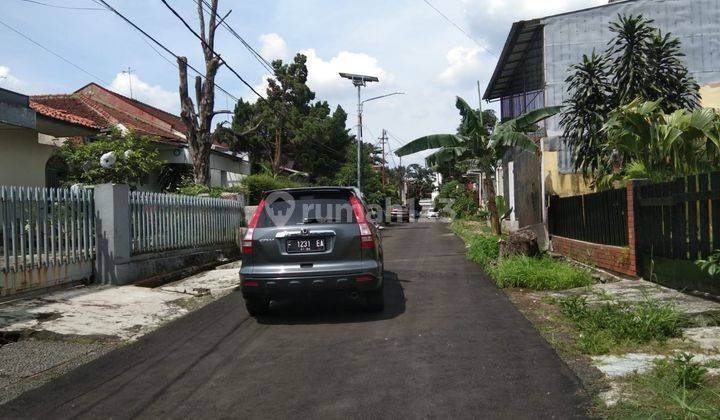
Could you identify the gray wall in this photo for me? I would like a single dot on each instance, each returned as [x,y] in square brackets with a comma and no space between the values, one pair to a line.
[569,36]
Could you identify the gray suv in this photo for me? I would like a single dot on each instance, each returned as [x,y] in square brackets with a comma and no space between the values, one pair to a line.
[308,241]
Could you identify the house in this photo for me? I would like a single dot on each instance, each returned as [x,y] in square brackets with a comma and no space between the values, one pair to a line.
[531,74]
[29,140]
[96,109]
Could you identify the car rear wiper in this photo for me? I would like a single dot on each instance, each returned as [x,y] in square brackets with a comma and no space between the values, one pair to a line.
[313,220]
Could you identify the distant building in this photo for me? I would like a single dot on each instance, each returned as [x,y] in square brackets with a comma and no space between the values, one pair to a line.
[531,74]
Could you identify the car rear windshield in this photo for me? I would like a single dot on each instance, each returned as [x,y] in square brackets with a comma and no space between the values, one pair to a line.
[307,208]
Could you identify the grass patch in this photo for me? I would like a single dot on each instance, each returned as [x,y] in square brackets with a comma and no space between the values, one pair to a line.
[542,273]
[615,325]
[483,246]
[676,388]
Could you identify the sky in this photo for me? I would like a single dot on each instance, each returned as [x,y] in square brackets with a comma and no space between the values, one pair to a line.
[407,44]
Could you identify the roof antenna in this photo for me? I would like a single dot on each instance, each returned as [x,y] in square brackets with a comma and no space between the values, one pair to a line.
[129,72]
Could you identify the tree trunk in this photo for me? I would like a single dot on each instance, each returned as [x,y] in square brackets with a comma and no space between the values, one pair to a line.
[199,123]
[492,206]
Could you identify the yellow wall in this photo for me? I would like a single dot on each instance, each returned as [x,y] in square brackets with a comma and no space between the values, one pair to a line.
[561,184]
[710,95]
[22,158]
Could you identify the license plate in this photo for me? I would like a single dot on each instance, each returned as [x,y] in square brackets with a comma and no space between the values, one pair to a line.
[306,245]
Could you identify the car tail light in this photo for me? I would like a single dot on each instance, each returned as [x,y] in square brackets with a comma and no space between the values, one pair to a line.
[247,244]
[366,237]
[364,279]
[251,283]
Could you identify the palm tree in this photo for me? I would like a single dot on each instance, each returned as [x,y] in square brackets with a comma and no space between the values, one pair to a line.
[476,147]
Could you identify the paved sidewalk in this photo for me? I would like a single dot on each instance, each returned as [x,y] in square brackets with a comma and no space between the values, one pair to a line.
[46,336]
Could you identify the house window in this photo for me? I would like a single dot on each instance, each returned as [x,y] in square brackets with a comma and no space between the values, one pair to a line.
[516,105]
[56,172]
[565,158]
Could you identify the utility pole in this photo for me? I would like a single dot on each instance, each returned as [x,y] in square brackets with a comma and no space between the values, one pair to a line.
[129,72]
[383,138]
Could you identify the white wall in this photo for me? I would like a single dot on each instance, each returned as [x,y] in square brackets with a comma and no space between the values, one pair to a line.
[22,158]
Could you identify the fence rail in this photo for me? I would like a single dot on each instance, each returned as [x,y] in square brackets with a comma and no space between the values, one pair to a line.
[162,222]
[43,227]
[599,217]
[680,219]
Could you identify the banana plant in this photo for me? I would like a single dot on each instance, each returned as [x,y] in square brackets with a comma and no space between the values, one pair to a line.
[476,146]
[641,135]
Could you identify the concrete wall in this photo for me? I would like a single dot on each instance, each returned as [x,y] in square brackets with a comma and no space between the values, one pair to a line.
[562,184]
[22,158]
[710,95]
[115,263]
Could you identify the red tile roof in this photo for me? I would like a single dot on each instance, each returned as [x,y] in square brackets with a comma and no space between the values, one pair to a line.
[88,107]
[67,108]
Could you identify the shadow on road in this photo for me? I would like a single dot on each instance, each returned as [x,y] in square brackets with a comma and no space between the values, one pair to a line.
[326,311]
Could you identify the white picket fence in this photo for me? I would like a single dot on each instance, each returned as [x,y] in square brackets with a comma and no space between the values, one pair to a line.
[161,222]
[47,237]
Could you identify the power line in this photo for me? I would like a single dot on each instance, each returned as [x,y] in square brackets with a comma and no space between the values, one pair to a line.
[260,59]
[57,6]
[460,29]
[158,43]
[53,52]
[187,25]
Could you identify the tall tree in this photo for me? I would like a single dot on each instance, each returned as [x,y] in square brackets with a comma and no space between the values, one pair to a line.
[198,120]
[289,128]
[476,147]
[640,62]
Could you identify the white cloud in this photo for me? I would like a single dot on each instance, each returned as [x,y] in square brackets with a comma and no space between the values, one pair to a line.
[9,81]
[155,95]
[464,65]
[323,74]
[272,46]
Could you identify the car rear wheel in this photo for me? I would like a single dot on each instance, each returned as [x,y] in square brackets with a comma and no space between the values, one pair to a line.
[375,301]
[257,306]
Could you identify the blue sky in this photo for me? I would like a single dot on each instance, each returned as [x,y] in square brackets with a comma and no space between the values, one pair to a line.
[404,42]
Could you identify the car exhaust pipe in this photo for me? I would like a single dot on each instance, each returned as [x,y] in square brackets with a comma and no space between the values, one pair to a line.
[354,295]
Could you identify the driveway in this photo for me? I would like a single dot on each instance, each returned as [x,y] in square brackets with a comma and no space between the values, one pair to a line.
[449,344]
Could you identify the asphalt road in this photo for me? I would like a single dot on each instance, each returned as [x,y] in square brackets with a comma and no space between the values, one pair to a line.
[449,344]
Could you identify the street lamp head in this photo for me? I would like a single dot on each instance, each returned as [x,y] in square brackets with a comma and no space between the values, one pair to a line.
[359,79]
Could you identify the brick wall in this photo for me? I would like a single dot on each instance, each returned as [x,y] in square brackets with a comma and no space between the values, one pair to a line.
[614,258]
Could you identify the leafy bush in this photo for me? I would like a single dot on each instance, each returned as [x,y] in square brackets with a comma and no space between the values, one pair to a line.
[543,273]
[682,370]
[132,158]
[711,265]
[614,324]
[196,189]
[256,184]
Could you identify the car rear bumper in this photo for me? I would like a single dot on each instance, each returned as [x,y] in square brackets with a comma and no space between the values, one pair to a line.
[277,287]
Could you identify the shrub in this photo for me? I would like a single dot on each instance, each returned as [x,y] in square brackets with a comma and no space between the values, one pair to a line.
[256,184]
[129,158]
[197,189]
[614,324]
[543,273]
[682,371]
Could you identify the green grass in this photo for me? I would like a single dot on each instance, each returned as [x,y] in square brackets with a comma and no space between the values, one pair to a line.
[612,326]
[544,273]
[483,247]
[661,394]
